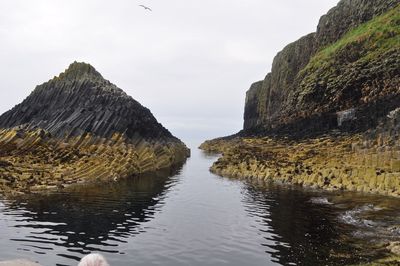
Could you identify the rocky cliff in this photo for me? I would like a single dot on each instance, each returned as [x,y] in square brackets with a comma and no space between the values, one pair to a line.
[79,127]
[352,61]
[328,113]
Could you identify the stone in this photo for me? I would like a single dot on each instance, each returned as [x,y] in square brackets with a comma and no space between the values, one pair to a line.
[81,127]
[394,247]
[316,162]
[301,95]
[395,165]
[327,115]
[81,101]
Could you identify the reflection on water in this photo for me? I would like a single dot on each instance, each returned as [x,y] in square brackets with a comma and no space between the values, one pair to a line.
[93,218]
[309,227]
[188,216]
[299,232]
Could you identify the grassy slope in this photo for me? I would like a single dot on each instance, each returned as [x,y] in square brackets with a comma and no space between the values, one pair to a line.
[376,36]
[361,45]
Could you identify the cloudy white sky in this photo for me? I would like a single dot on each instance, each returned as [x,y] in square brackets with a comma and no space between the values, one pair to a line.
[189,61]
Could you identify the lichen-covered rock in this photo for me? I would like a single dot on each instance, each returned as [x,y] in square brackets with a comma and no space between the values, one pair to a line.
[80,127]
[368,162]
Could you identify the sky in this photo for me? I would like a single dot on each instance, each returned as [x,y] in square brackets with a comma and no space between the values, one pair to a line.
[189,61]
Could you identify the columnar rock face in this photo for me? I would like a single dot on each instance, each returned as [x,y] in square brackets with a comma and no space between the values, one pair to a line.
[81,101]
[351,61]
[328,113]
[79,127]
[264,100]
[368,162]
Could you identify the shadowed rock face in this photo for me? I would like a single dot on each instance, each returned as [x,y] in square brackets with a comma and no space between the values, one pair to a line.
[81,101]
[79,127]
[326,72]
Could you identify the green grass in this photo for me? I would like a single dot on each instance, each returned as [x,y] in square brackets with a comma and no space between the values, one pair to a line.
[369,40]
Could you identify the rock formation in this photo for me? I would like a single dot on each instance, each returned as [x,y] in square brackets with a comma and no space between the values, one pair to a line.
[79,127]
[328,113]
[352,61]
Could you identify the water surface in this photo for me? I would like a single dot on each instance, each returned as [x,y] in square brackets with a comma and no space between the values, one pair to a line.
[188,216]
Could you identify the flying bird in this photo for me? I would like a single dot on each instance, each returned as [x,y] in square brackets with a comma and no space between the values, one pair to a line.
[145,7]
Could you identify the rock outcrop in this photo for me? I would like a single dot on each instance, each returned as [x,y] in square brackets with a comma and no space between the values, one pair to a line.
[368,162]
[81,101]
[352,61]
[328,114]
[79,127]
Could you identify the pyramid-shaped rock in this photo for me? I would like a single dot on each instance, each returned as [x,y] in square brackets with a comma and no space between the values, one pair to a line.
[79,127]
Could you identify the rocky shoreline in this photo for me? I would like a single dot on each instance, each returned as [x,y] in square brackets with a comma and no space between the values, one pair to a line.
[33,161]
[327,116]
[328,113]
[368,162]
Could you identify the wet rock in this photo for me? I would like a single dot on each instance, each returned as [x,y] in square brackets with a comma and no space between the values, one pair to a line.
[325,162]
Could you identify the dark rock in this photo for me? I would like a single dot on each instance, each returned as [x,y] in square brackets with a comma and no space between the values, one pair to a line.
[77,128]
[81,101]
[295,95]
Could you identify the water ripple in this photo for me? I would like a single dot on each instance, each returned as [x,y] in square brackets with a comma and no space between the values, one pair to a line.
[191,217]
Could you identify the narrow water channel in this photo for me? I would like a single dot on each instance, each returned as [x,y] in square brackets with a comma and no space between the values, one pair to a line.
[189,216]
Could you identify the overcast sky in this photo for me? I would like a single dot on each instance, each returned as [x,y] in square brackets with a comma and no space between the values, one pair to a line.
[189,61]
